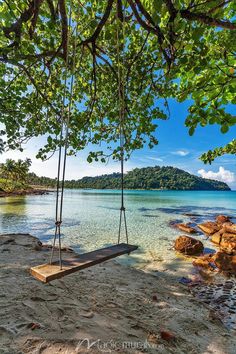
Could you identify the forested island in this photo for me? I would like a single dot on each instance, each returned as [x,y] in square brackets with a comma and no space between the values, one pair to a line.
[164,178]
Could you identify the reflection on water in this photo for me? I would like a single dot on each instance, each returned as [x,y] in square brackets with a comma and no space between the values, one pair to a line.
[91,217]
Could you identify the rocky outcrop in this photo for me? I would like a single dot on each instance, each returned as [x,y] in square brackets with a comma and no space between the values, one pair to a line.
[228,243]
[188,245]
[216,237]
[223,234]
[226,236]
[230,228]
[209,227]
[220,219]
[225,262]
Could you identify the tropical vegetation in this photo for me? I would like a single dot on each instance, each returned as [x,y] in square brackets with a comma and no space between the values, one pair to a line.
[140,178]
[14,174]
[98,59]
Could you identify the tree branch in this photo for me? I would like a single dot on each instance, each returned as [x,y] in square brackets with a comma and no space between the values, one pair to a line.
[203,18]
[156,30]
[222,4]
[198,16]
[52,9]
[25,16]
[101,23]
[38,3]
[149,19]
[120,10]
[64,26]
[32,80]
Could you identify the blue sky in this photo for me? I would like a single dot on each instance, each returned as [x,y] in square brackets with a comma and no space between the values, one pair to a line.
[176,148]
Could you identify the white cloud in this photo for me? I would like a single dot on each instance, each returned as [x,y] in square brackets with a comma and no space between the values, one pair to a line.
[180,152]
[222,175]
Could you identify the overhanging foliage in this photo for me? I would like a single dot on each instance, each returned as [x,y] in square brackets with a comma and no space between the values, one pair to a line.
[180,49]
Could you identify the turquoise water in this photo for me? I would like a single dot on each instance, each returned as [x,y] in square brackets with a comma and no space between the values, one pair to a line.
[91,217]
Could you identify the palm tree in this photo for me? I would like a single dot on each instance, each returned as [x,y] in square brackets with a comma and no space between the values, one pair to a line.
[15,172]
[8,172]
[22,170]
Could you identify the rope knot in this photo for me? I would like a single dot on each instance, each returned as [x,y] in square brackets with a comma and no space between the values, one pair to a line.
[58,223]
[122,208]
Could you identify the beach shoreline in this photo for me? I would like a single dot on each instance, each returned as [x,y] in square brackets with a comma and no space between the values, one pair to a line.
[29,191]
[113,306]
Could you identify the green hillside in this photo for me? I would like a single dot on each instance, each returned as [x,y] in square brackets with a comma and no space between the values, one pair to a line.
[141,178]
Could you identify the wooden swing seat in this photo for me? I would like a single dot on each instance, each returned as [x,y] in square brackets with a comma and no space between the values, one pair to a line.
[49,272]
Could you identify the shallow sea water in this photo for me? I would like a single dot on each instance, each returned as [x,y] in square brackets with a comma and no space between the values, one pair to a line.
[91,218]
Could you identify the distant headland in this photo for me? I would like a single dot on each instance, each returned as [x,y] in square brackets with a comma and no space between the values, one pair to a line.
[147,178]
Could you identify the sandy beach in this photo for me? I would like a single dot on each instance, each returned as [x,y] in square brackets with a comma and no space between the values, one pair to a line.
[108,308]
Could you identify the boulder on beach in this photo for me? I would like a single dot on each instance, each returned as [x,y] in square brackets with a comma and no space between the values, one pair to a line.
[205,261]
[188,245]
[225,262]
[220,219]
[216,237]
[186,228]
[228,243]
[230,228]
[209,227]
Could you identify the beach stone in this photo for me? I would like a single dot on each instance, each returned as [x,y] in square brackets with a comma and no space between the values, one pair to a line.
[230,228]
[37,245]
[228,243]
[186,228]
[216,237]
[220,219]
[188,245]
[166,335]
[204,261]
[225,262]
[209,227]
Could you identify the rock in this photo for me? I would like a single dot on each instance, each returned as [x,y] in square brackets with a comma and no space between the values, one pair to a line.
[188,245]
[220,219]
[230,228]
[209,227]
[33,326]
[225,262]
[166,335]
[67,249]
[186,228]
[229,223]
[216,237]
[37,245]
[88,314]
[205,261]
[173,223]
[228,243]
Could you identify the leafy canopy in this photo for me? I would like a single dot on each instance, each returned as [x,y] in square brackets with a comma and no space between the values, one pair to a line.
[156,49]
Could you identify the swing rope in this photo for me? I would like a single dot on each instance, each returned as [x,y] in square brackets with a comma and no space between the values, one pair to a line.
[65,120]
[121,101]
[62,155]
